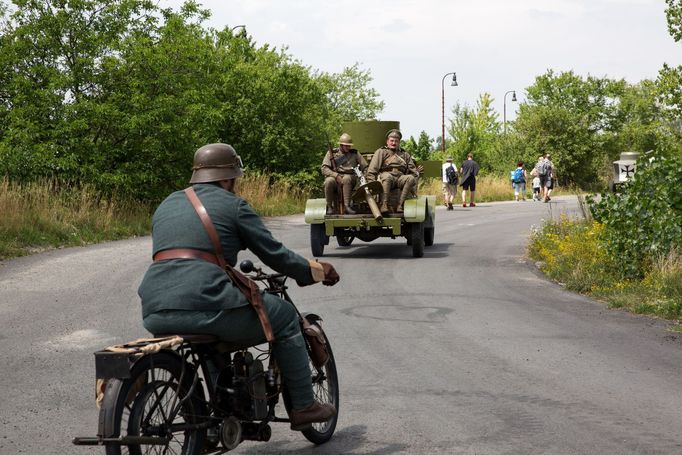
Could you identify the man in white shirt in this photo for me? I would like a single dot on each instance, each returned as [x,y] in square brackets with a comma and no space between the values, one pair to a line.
[449,182]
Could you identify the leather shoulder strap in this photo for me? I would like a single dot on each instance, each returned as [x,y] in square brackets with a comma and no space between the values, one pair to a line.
[208,225]
[247,286]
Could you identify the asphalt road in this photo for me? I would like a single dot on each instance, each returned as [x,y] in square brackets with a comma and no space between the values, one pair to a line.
[468,350]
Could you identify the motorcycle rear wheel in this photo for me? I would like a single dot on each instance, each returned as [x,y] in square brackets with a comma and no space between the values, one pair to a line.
[133,406]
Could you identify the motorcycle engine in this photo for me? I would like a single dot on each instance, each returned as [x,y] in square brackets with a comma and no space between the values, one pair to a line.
[243,388]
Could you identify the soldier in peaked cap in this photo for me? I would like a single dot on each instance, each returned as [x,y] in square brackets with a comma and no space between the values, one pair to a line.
[186,291]
[394,168]
[337,168]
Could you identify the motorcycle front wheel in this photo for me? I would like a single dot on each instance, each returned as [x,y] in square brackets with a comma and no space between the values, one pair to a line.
[325,390]
[143,404]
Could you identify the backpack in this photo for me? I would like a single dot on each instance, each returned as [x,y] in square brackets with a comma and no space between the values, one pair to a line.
[451,175]
[517,175]
[544,169]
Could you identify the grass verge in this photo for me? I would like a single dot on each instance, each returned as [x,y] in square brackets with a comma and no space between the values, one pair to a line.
[572,252]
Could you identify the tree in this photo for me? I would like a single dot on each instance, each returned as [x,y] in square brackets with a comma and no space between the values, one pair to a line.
[569,116]
[420,150]
[474,130]
[119,93]
[670,78]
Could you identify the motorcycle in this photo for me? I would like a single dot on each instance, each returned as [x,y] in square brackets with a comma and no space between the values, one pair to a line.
[194,394]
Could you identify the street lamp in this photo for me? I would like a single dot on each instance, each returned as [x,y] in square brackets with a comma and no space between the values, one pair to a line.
[442,101]
[236,27]
[504,110]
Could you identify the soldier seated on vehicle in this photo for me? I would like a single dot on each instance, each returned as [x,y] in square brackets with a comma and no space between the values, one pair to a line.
[337,167]
[394,168]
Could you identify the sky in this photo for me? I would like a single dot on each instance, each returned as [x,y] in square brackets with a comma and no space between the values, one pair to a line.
[494,46]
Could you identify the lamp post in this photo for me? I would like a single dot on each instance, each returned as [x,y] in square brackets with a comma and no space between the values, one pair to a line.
[236,27]
[442,101]
[504,108]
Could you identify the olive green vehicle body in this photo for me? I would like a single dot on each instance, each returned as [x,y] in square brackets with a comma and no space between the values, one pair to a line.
[416,223]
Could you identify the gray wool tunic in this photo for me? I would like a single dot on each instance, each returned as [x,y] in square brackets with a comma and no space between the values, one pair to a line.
[197,285]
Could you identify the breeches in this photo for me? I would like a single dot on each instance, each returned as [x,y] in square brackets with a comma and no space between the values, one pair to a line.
[242,326]
[331,188]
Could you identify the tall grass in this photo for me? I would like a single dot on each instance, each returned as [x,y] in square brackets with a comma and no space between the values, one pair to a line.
[271,198]
[46,214]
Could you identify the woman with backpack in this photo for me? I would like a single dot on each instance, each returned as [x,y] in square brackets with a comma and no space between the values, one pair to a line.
[519,178]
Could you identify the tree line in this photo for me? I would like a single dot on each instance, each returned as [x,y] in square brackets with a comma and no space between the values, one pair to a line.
[119,94]
[585,122]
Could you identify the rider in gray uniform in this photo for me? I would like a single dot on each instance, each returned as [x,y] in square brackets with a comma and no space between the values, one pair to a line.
[197,296]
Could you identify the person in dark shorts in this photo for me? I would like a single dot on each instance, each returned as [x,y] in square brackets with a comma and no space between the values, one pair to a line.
[470,169]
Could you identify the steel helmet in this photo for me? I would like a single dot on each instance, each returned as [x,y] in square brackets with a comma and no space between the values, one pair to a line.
[345,139]
[215,162]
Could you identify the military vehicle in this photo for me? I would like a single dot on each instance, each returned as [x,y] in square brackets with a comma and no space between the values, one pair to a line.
[416,223]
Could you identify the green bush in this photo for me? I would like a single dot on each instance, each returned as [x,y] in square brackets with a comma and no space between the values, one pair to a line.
[644,221]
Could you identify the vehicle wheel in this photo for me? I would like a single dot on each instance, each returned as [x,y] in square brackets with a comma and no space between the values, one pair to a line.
[429,233]
[325,390]
[318,239]
[345,239]
[417,234]
[140,405]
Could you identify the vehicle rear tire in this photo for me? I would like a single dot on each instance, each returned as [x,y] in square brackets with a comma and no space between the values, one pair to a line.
[417,235]
[124,409]
[318,239]
[325,390]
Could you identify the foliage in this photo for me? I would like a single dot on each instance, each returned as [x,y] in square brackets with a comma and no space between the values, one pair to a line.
[670,78]
[422,149]
[120,93]
[47,214]
[645,220]
[673,14]
[473,130]
[566,115]
[349,94]
[572,252]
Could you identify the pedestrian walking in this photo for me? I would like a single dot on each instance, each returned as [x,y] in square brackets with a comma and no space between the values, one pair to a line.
[519,178]
[450,180]
[470,169]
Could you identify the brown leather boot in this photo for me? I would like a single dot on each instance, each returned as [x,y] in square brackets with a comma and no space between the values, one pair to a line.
[316,412]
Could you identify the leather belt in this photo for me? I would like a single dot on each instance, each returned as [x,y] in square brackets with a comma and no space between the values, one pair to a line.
[185,253]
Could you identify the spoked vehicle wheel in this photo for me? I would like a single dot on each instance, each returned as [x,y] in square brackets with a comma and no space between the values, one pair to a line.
[147,405]
[325,390]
